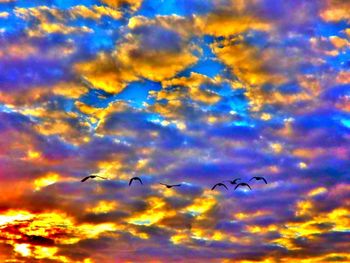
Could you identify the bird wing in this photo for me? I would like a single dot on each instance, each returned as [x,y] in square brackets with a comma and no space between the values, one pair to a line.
[237,186]
[252,178]
[84,179]
[214,187]
[225,186]
[248,186]
[163,184]
[176,185]
[131,181]
[264,180]
[101,177]
[137,178]
[234,181]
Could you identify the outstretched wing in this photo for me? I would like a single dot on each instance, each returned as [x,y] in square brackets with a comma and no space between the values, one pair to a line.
[237,186]
[84,179]
[137,178]
[252,178]
[224,186]
[264,180]
[131,181]
[235,181]
[214,187]
[176,185]
[248,186]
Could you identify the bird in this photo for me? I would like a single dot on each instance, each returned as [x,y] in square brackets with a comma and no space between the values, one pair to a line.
[233,181]
[258,178]
[170,185]
[242,184]
[219,184]
[135,178]
[92,177]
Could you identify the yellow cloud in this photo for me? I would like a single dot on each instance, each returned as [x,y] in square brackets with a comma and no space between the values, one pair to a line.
[276,147]
[46,25]
[339,42]
[4,14]
[69,89]
[104,73]
[304,208]
[337,220]
[343,77]
[44,13]
[251,66]
[193,84]
[156,65]
[95,12]
[155,212]
[50,28]
[226,24]
[134,4]
[22,249]
[248,63]
[130,62]
[308,153]
[102,207]
[201,205]
[46,180]
[317,191]
[335,10]
[32,155]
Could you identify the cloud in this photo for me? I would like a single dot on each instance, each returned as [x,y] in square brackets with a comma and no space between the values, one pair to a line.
[193,93]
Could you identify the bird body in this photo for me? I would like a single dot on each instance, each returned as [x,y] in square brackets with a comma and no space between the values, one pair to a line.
[219,184]
[233,181]
[92,177]
[170,185]
[258,178]
[135,178]
[242,184]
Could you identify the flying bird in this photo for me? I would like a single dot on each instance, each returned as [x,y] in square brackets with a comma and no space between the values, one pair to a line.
[170,185]
[233,181]
[135,178]
[219,184]
[92,177]
[242,184]
[258,178]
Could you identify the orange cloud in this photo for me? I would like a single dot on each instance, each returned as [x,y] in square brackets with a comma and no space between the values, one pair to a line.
[335,10]
[134,4]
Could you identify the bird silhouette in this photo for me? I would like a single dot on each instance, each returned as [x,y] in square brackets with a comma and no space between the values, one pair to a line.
[92,177]
[258,178]
[135,178]
[219,184]
[233,181]
[170,185]
[242,184]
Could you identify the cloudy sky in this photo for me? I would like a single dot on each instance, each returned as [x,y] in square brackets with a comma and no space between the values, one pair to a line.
[174,91]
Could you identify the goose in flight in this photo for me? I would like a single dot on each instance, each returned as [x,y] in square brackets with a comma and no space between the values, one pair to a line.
[135,178]
[219,184]
[170,185]
[258,178]
[242,184]
[92,177]
[233,181]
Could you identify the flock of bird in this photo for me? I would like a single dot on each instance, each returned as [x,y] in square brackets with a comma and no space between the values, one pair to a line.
[233,182]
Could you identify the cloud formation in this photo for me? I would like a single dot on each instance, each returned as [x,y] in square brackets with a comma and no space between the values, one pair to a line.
[177,92]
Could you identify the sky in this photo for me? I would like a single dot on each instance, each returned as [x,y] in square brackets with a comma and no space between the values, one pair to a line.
[189,92]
